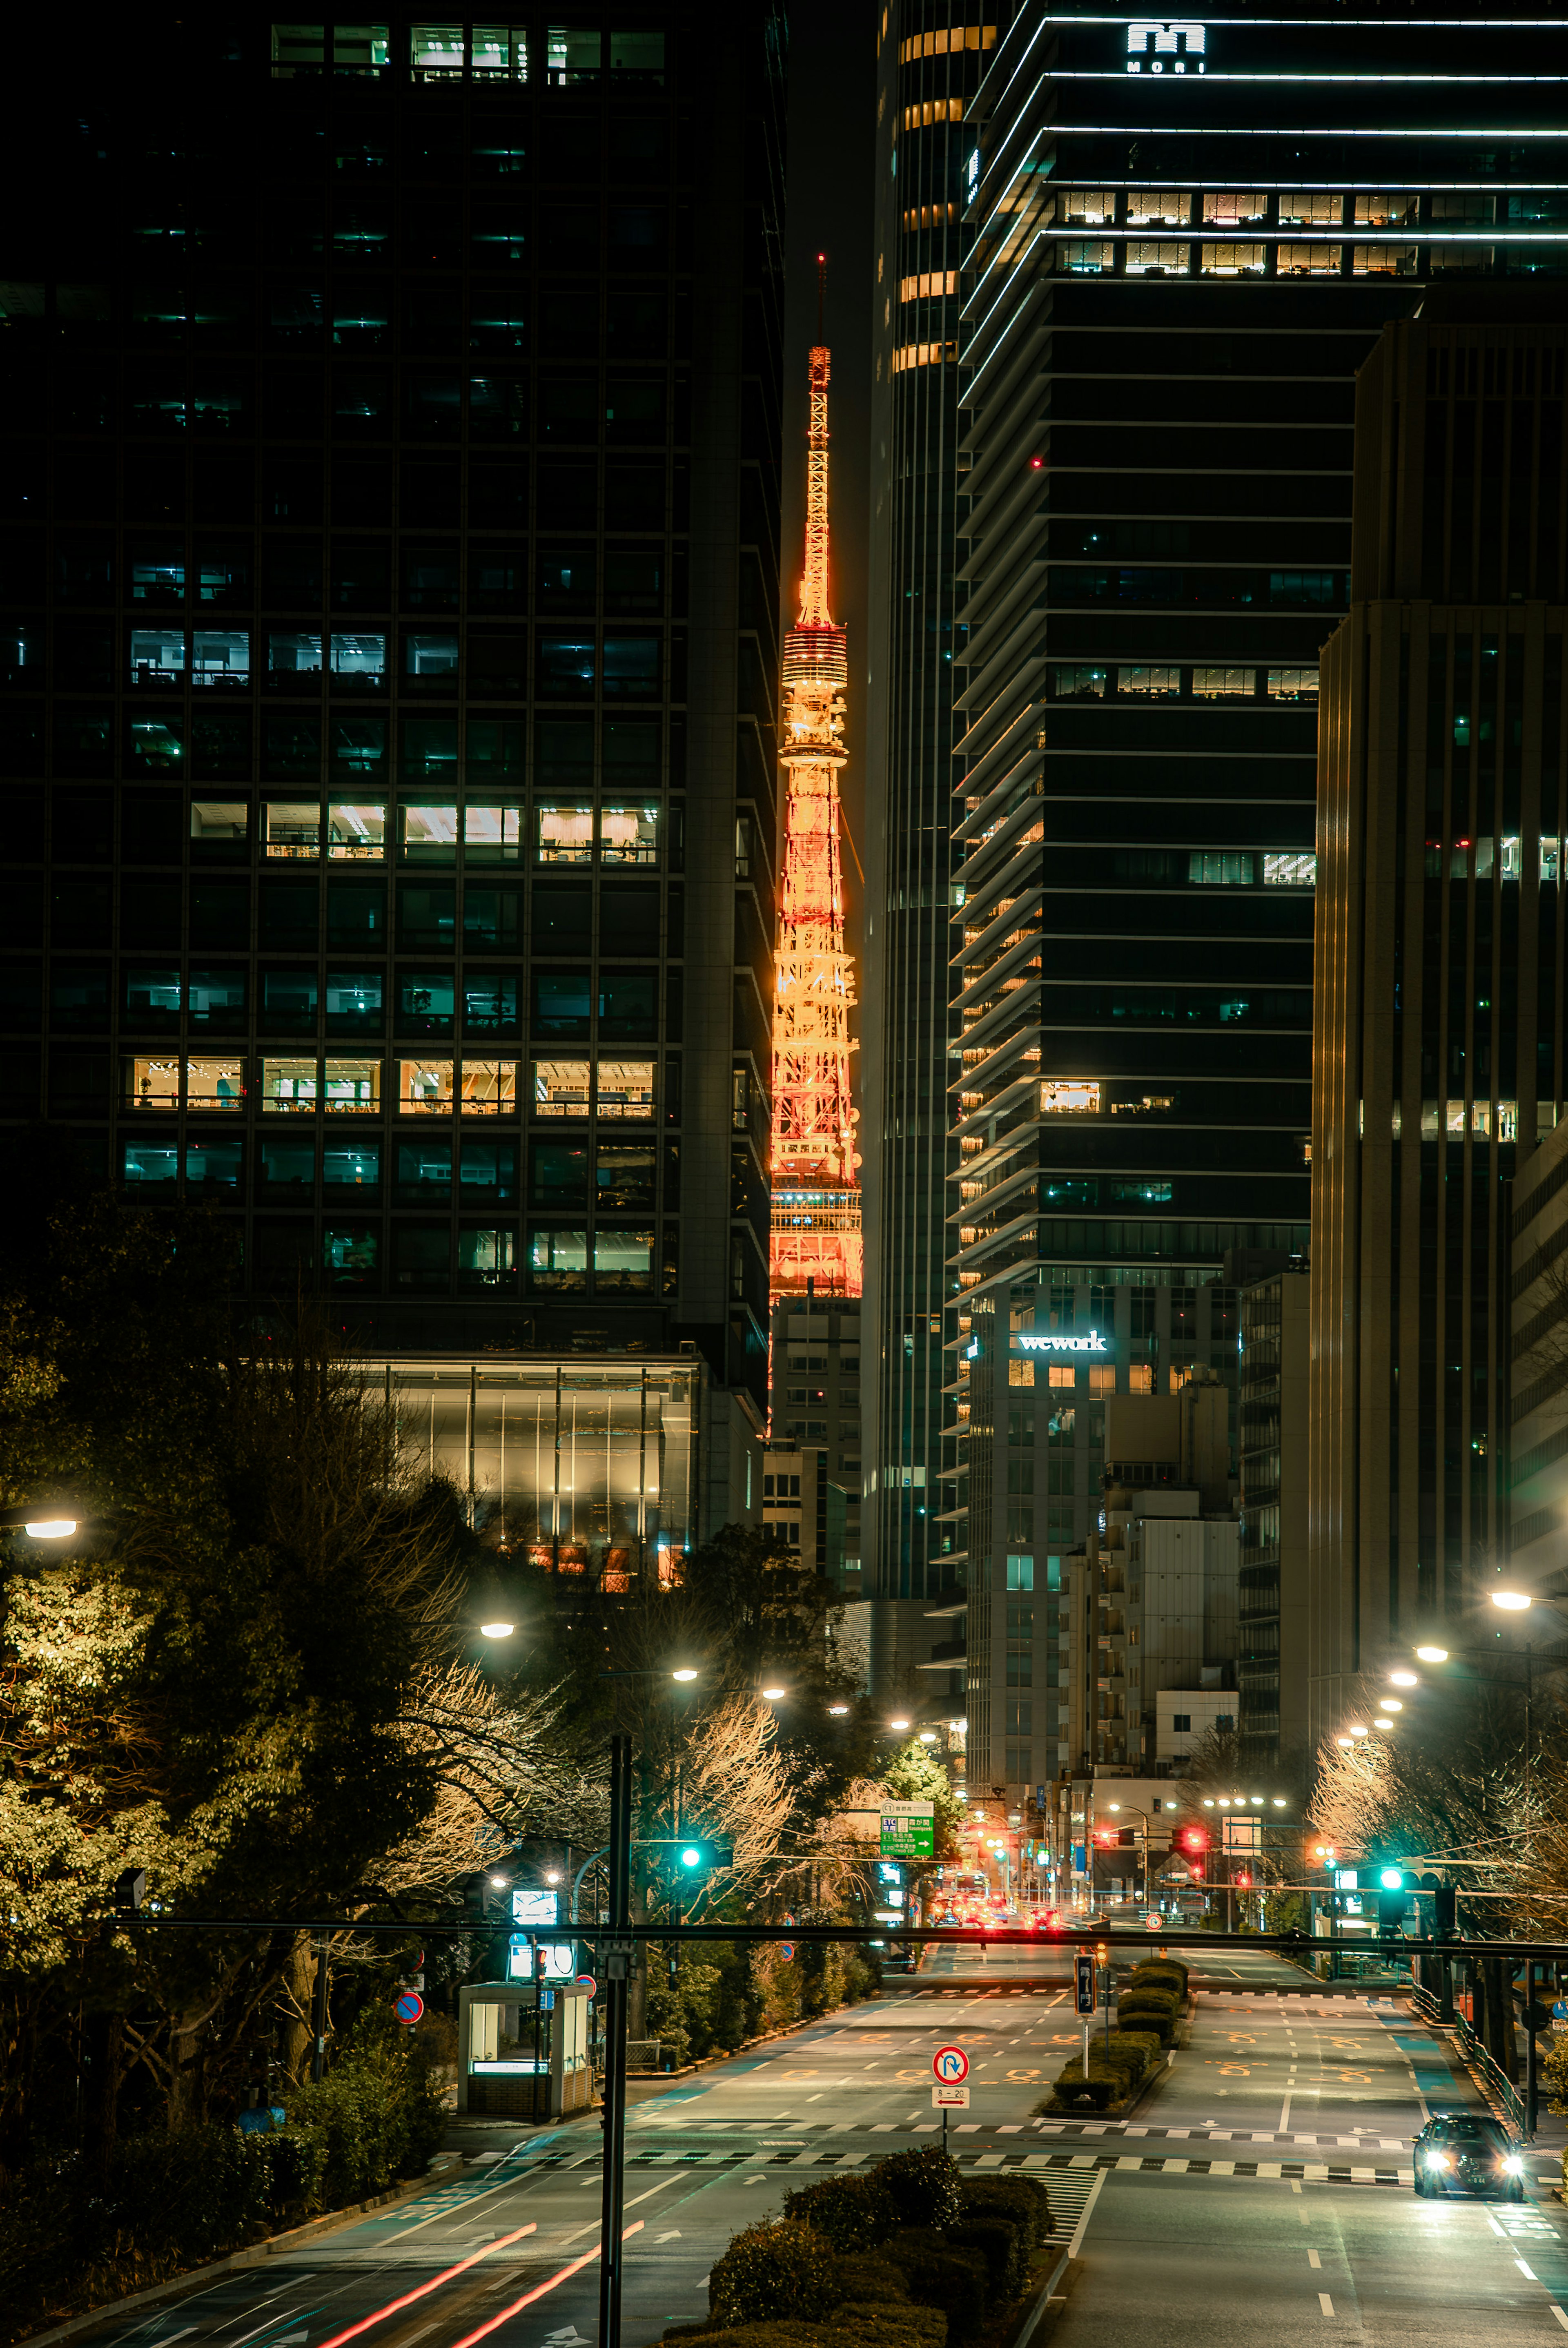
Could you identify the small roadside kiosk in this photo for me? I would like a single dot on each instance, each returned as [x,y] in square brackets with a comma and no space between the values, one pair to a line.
[523,2050]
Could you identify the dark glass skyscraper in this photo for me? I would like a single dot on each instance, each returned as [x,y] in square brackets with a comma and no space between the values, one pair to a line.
[932,54]
[1186,238]
[391,608]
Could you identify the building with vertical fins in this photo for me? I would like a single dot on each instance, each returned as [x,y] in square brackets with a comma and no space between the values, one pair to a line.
[815,1265]
[931,55]
[1184,239]
[1438,1040]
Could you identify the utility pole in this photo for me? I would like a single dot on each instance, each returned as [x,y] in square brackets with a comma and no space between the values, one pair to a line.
[617,1995]
[319,2012]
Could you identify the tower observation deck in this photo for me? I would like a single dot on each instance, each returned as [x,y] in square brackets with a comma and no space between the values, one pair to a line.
[816,1229]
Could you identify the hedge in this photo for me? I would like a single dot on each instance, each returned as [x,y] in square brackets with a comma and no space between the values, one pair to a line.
[853,2213]
[1004,2247]
[873,2325]
[1022,2198]
[1164,1970]
[863,2279]
[955,2281]
[769,2271]
[923,2185]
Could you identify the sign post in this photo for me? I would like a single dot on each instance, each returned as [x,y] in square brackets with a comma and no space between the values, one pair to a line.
[951,2067]
[1083,1977]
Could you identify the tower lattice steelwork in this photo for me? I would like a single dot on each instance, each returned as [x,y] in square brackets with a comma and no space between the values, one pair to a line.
[816,1199]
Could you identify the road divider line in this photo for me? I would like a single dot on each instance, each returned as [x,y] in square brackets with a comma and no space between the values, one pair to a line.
[540,2290]
[1325,2302]
[423,2290]
[1562,2319]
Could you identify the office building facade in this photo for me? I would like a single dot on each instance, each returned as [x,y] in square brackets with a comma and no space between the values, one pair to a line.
[1439,1036]
[1538,1367]
[817,1394]
[931,55]
[1184,241]
[1273,1357]
[392,585]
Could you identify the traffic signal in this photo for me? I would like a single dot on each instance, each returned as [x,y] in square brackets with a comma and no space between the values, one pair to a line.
[1244,1881]
[700,1855]
[1193,1840]
[1445,1912]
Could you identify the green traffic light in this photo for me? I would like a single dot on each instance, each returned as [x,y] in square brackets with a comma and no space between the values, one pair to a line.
[690,1856]
[1393,1879]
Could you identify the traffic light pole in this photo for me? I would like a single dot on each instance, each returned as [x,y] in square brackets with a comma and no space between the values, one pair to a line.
[617,1998]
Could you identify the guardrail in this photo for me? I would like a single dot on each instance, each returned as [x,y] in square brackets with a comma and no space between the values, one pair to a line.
[1494,2077]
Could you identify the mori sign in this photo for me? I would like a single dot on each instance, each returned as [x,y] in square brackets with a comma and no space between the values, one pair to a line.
[951,2065]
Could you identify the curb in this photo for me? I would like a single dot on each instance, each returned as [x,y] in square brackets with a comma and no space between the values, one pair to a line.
[256,2254]
[1047,2299]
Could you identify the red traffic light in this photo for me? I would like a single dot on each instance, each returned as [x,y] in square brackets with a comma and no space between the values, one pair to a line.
[1244,1881]
[1194,1839]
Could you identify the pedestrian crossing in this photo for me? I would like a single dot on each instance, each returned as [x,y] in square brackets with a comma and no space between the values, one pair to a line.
[1061,2171]
[729,2130]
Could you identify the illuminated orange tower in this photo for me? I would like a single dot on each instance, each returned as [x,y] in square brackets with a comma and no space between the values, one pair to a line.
[815,1197]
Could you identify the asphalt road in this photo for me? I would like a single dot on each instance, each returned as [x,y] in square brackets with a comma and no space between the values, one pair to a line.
[1260,2189]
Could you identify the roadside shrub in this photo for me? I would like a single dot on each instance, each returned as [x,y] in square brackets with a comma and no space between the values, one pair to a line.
[1003,2246]
[376,2114]
[769,2274]
[923,2185]
[877,2325]
[940,2275]
[853,2213]
[755,2336]
[1073,2090]
[1147,2044]
[1022,2199]
[867,2279]
[1161,1973]
[1151,2018]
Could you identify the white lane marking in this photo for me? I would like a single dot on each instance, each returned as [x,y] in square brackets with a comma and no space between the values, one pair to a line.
[1313,2260]
[1523,2270]
[455,2208]
[673,2236]
[1562,2319]
[1284,2114]
[1087,2212]
[1325,2302]
[625,2205]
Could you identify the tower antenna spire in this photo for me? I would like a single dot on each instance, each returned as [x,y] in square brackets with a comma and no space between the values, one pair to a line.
[816,1229]
[820,290]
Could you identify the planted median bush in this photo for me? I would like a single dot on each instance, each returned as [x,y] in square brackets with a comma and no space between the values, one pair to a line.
[1023,2200]
[923,2185]
[769,2274]
[853,2213]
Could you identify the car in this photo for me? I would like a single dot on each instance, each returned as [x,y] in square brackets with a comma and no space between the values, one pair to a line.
[1470,2152]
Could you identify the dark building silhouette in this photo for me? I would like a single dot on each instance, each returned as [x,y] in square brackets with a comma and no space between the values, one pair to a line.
[1439,1036]
[391,606]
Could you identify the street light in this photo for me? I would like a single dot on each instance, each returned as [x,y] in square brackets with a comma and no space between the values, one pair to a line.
[497,1630]
[1433,1654]
[1513,1602]
[683,1675]
[1390,1704]
[772,1695]
[1357,1729]
[1408,1679]
[897,1724]
[837,1711]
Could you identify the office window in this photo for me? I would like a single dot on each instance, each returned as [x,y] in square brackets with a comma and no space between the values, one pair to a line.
[622,1261]
[432,578]
[286,1163]
[561,1088]
[220,656]
[1069,1098]
[294,657]
[1086,208]
[157,656]
[565,835]
[291,827]
[149,1082]
[1149,684]
[486,1262]
[151,1001]
[490,1000]
[214,1164]
[1293,685]
[289,1086]
[150,1167]
[629,835]
[351,1255]
[557,1260]
[1077,684]
[1231,260]
[1384,260]
[489,1087]
[499,53]
[288,1000]
[429,834]
[1156,260]
[1235,208]
[628,1005]
[1158,208]
[1221,868]
[423,1176]
[624,1089]
[425,1087]
[355,1002]
[1087,260]
[425,1003]
[487,1170]
[350,1168]
[357,663]
[1319,208]
[215,1001]
[430,661]
[434,52]
[624,1176]
[356,831]
[1223,684]
[1319,588]
[1182,1724]
[562,1003]
[492,835]
[426,917]
[1020,1573]
[214,1082]
[1307,260]
[352,1087]
[1298,871]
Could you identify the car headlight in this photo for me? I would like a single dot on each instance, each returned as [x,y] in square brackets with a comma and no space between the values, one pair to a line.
[1435,2161]
[1513,2165]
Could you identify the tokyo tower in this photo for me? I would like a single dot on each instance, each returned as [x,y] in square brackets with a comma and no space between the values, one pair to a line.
[816,1233]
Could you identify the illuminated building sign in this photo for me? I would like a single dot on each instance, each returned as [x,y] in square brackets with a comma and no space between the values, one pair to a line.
[1165,49]
[1061,1344]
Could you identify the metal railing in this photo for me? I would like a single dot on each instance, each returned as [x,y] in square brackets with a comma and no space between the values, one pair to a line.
[1494,2077]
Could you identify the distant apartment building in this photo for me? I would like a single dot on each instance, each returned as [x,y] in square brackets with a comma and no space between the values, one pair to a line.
[1272,1362]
